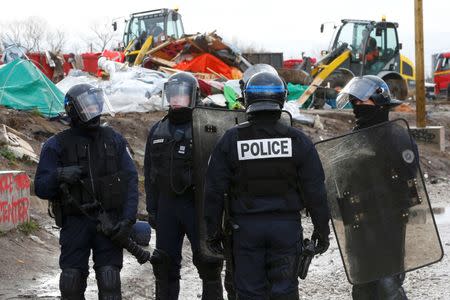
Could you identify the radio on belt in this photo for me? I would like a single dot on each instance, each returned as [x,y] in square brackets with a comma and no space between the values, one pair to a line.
[264,148]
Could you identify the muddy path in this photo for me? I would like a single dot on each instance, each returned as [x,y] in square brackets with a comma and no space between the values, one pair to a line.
[33,272]
[29,263]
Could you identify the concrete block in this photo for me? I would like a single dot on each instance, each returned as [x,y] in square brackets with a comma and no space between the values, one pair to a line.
[14,199]
[433,135]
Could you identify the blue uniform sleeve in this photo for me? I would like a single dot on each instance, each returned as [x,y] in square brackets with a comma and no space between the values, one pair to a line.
[218,181]
[129,170]
[151,191]
[45,181]
[312,184]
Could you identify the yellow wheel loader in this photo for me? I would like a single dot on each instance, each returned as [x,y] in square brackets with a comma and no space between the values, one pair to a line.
[147,29]
[360,47]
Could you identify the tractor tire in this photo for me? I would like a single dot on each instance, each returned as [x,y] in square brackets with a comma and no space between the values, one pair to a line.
[397,87]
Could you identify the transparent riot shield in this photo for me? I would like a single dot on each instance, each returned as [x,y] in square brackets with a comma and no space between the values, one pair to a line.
[379,205]
[208,126]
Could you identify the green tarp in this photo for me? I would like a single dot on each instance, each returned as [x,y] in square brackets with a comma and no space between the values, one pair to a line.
[231,97]
[24,87]
[295,92]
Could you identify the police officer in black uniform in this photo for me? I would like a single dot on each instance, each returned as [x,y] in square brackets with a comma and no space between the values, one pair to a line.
[270,172]
[81,165]
[170,192]
[372,102]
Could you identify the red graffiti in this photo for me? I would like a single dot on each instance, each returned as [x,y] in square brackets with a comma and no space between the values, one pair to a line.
[6,183]
[22,181]
[14,212]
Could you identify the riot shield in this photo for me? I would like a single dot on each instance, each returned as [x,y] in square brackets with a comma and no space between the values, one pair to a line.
[208,126]
[379,205]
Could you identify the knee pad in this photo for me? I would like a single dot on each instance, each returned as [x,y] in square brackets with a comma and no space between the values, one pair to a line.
[282,268]
[207,271]
[108,282]
[72,284]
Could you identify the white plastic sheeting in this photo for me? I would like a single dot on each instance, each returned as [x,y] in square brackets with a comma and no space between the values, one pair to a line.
[293,109]
[129,89]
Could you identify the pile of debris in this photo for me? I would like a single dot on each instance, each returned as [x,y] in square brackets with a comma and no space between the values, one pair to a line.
[133,80]
[206,55]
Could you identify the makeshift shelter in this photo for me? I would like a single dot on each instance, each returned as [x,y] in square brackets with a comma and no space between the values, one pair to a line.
[24,87]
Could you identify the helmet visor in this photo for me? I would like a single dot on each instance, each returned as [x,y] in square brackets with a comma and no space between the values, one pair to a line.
[359,88]
[91,104]
[252,70]
[179,94]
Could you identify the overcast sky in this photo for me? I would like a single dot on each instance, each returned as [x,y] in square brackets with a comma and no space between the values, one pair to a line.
[279,26]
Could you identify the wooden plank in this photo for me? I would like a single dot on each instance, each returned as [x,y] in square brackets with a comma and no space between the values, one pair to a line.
[159,47]
[163,62]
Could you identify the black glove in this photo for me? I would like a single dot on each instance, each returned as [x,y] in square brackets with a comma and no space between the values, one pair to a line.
[121,232]
[69,174]
[152,220]
[322,242]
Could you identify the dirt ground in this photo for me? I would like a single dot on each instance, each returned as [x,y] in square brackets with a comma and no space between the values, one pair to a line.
[29,263]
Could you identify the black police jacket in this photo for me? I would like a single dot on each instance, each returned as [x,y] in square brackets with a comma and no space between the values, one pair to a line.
[268,168]
[168,161]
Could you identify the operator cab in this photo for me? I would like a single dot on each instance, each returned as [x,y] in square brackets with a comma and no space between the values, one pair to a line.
[160,23]
[373,44]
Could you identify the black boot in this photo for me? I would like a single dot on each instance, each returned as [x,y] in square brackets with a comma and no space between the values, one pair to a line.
[292,296]
[212,290]
[229,285]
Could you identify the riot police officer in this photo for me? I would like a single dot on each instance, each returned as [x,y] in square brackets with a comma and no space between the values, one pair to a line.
[270,172]
[371,101]
[83,165]
[170,192]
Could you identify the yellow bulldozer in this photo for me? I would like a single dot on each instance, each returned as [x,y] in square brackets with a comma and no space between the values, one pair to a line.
[145,30]
[360,47]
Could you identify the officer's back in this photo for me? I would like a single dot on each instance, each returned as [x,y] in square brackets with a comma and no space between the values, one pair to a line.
[271,171]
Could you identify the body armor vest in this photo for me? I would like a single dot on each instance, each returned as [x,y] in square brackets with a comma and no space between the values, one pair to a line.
[171,159]
[101,177]
[268,173]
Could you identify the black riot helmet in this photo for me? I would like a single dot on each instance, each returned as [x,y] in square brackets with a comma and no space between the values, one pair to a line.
[364,88]
[181,91]
[84,104]
[252,70]
[264,91]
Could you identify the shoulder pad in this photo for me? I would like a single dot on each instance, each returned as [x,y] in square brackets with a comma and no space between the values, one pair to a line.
[107,131]
[61,134]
